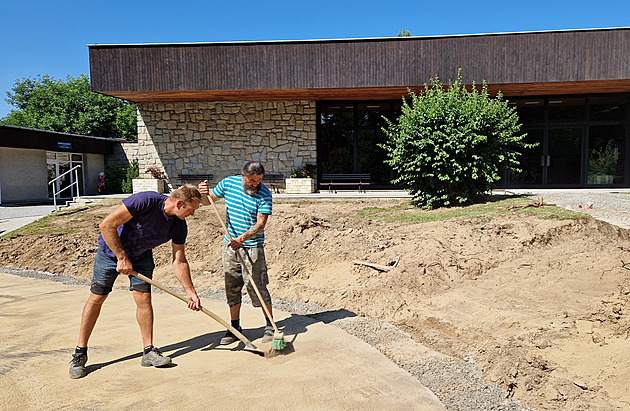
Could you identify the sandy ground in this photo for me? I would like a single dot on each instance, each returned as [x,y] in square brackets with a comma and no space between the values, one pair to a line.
[540,307]
[324,367]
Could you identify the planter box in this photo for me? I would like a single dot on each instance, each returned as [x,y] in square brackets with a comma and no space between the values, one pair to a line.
[300,185]
[147,184]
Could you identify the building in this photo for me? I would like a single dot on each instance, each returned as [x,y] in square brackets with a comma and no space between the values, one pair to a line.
[205,108]
[30,159]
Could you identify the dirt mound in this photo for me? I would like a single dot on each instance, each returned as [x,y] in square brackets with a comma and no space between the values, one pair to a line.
[541,306]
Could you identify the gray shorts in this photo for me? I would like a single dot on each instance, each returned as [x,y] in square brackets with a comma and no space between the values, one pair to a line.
[236,278]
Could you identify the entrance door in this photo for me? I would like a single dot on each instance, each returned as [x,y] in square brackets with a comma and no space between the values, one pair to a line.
[556,161]
[58,164]
[564,156]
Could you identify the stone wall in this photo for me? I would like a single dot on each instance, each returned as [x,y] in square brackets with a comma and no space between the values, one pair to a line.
[219,137]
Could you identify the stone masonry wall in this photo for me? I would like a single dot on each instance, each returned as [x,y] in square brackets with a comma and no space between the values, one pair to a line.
[219,137]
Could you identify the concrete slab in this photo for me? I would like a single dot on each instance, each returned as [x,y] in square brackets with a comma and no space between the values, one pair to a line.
[325,368]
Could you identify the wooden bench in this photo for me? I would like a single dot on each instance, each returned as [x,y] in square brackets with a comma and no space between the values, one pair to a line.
[332,180]
[273,180]
[194,177]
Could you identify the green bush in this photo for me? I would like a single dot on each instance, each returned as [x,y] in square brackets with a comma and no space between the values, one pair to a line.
[450,145]
[133,171]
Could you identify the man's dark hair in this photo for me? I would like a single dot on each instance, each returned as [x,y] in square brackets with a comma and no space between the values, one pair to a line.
[253,168]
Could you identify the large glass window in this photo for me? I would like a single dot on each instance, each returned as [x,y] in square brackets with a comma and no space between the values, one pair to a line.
[606,148]
[582,140]
[350,135]
[563,110]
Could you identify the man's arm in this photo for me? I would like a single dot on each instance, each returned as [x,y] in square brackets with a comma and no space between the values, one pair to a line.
[257,228]
[182,272]
[205,192]
[109,231]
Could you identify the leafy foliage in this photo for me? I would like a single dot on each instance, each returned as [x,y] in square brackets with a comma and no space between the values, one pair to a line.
[450,145]
[70,107]
[306,171]
[133,171]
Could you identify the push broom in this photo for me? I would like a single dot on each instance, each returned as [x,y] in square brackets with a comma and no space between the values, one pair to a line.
[220,320]
[278,336]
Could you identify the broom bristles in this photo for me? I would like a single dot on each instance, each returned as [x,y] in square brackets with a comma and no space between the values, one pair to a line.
[278,341]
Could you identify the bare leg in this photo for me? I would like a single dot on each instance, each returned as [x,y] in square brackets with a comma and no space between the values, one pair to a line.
[235,312]
[269,309]
[91,311]
[144,315]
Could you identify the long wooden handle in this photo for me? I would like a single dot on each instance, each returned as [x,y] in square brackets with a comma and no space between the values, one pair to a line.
[262,302]
[203,309]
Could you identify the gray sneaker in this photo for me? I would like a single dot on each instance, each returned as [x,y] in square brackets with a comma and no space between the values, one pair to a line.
[229,338]
[77,366]
[267,335]
[155,358]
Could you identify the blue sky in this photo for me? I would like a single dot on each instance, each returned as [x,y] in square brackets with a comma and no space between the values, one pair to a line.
[51,37]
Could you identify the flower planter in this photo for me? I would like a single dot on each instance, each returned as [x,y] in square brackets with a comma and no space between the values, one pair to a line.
[300,185]
[147,184]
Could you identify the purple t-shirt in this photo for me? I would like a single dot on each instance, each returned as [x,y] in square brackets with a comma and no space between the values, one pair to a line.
[148,227]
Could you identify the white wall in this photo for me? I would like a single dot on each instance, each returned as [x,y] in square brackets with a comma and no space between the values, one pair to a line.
[23,174]
[93,164]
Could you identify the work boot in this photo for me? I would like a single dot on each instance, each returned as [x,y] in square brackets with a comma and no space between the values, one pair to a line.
[155,358]
[77,366]
[229,338]
[267,335]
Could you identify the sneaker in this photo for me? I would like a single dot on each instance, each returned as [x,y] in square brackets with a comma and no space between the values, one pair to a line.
[77,366]
[267,335]
[155,358]
[229,338]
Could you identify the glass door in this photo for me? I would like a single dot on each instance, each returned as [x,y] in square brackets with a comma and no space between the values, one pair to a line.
[59,163]
[563,160]
[555,161]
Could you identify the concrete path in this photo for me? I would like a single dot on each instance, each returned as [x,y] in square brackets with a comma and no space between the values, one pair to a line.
[324,367]
[13,217]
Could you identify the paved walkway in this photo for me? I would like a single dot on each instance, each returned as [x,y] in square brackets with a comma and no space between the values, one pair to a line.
[610,205]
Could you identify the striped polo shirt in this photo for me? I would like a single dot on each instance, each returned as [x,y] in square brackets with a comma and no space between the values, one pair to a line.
[242,209]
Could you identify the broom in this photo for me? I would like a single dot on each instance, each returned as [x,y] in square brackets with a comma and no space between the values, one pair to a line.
[220,320]
[278,337]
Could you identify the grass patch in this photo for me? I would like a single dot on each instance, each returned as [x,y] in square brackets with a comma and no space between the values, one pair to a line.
[493,206]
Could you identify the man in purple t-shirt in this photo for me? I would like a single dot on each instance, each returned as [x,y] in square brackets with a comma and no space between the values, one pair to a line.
[128,236]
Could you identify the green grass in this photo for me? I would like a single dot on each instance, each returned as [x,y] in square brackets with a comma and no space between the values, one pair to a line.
[494,206]
[48,225]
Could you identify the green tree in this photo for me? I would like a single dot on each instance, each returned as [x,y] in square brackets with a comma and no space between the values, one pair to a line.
[450,145]
[404,33]
[70,107]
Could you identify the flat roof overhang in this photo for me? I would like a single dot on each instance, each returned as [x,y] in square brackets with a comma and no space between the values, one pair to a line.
[368,93]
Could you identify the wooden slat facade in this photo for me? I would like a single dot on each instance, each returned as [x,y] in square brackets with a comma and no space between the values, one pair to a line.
[535,63]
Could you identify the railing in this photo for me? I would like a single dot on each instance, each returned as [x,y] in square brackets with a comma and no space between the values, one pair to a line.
[76,182]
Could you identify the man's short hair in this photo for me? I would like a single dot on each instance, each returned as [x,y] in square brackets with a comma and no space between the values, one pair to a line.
[187,193]
[253,168]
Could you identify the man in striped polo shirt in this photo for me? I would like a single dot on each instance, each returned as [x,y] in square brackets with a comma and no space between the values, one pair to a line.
[248,206]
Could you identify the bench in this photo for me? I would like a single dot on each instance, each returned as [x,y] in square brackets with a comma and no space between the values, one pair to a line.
[194,177]
[360,180]
[274,180]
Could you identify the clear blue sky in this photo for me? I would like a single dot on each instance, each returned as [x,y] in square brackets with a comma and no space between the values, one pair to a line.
[50,37]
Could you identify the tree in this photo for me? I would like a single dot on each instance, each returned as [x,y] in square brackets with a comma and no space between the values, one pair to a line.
[70,107]
[404,33]
[450,145]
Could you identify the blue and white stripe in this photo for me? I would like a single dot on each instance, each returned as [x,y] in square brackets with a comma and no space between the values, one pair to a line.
[242,209]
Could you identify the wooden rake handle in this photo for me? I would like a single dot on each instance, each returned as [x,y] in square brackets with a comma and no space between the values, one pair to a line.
[220,320]
[262,302]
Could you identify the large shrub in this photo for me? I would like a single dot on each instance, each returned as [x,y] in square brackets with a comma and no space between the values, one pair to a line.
[450,145]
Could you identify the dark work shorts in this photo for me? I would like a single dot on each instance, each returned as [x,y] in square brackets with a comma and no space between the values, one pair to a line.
[105,273]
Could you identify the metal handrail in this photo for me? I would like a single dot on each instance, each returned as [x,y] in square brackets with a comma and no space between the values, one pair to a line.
[76,182]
